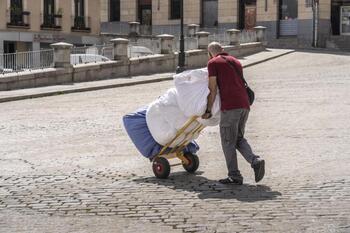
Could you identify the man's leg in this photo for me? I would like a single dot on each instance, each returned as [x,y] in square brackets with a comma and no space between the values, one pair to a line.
[257,163]
[242,144]
[229,131]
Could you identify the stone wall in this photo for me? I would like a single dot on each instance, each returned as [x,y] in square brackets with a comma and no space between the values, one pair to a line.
[114,69]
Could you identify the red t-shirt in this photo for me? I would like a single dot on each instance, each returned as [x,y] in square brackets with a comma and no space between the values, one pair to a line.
[233,94]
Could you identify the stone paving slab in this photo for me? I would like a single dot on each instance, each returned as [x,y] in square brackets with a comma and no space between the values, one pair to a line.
[6,96]
[67,165]
[85,223]
[144,200]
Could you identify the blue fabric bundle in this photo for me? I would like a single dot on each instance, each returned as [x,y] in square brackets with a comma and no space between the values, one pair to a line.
[137,129]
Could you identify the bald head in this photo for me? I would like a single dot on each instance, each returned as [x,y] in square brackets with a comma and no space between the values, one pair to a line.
[214,48]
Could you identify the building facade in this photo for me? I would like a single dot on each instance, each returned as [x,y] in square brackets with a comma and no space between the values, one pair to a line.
[35,24]
[283,18]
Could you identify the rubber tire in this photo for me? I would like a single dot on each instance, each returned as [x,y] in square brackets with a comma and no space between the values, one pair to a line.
[194,162]
[161,168]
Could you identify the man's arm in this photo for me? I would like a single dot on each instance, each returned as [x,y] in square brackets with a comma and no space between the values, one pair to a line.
[211,97]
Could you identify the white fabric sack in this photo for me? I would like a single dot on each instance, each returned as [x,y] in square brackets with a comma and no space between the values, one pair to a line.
[164,118]
[192,89]
[192,92]
[169,113]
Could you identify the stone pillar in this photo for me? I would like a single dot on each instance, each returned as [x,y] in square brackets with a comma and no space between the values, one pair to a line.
[192,29]
[134,28]
[203,39]
[166,43]
[234,36]
[61,54]
[260,34]
[120,49]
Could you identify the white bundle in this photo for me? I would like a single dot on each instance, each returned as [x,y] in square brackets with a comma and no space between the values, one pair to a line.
[164,118]
[166,115]
[192,89]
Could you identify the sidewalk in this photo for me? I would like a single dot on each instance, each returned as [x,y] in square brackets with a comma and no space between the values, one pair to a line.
[6,96]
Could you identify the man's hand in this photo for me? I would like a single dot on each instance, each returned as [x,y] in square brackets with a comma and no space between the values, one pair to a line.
[206,115]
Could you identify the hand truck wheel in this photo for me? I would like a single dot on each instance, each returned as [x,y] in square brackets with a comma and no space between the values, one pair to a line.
[193,162]
[161,168]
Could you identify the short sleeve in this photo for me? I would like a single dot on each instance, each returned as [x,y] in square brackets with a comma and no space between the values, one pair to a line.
[212,69]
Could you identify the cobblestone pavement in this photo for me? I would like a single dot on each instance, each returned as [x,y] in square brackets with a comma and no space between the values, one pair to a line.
[66,164]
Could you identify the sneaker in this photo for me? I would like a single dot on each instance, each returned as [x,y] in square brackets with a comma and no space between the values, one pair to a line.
[259,169]
[232,180]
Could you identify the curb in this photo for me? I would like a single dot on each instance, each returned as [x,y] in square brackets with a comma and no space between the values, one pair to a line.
[109,86]
[268,59]
[83,89]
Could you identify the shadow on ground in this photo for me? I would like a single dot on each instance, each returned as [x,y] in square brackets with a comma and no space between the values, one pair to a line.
[211,189]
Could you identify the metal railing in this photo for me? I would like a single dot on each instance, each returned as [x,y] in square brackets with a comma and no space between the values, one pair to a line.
[80,23]
[26,61]
[18,18]
[51,21]
[91,54]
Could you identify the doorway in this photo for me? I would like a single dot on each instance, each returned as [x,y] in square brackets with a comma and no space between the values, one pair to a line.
[145,16]
[209,13]
[114,10]
[246,14]
[250,17]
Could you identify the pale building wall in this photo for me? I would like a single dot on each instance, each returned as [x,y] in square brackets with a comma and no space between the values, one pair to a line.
[303,11]
[192,12]
[161,13]
[3,14]
[227,11]
[325,9]
[94,6]
[128,10]
[267,15]
[104,10]
[271,11]
[34,7]
[67,15]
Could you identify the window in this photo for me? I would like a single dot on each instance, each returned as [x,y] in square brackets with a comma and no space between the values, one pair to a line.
[175,9]
[16,11]
[49,11]
[79,8]
[79,17]
[114,10]
[289,9]
[345,20]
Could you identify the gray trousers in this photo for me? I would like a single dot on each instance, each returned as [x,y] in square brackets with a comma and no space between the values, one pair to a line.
[232,126]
